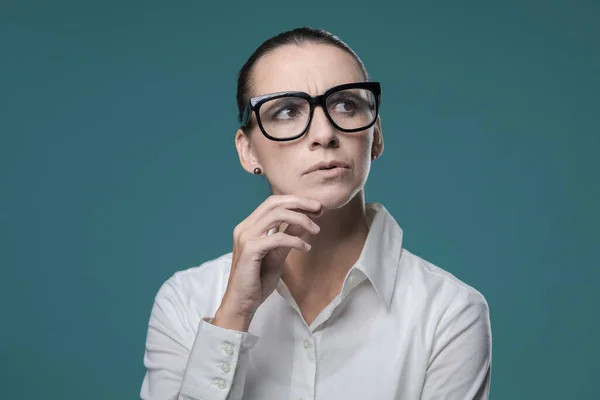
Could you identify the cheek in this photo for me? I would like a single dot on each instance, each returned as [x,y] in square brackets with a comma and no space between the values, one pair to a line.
[284,176]
[281,165]
[265,150]
[363,147]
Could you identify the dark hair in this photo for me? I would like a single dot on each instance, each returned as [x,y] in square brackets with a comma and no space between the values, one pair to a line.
[296,36]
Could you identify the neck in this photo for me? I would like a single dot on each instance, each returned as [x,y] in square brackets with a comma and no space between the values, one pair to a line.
[320,272]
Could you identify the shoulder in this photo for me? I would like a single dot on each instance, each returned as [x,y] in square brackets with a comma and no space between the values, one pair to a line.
[203,276]
[445,306]
[436,285]
[197,288]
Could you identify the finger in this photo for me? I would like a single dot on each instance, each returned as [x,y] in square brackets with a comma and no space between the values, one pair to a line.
[261,246]
[298,230]
[273,220]
[295,230]
[281,201]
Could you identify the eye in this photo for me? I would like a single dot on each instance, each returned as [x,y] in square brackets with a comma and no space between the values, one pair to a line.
[286,113]
[344,106]
[346,103]
[285,109]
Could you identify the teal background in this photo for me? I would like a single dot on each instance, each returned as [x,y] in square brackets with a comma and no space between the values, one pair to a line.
[118,167]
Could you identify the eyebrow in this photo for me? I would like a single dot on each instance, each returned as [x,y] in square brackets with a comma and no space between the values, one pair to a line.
[256,99]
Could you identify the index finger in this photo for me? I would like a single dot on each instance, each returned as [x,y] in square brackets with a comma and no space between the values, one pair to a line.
[290,201]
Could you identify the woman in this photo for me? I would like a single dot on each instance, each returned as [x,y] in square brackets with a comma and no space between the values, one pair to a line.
[318,299]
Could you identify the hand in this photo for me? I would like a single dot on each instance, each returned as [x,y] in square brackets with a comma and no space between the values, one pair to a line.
[258,258]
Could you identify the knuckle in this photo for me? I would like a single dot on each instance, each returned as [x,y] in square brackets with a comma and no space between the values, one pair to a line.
[236,231]
[279,237]
[279,214]
[271,199]
[241,236]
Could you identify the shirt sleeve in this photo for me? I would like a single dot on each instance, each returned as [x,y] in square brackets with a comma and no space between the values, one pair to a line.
[180,365]
[460,363]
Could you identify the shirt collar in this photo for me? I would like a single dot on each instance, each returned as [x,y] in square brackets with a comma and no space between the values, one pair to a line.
[380,257]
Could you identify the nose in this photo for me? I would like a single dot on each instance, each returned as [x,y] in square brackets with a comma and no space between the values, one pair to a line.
[320,132]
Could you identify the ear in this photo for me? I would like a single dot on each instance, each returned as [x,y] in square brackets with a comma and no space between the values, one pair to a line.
[244,148]
[377,146]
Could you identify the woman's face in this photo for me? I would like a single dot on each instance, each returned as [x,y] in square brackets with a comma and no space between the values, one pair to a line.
[310,68]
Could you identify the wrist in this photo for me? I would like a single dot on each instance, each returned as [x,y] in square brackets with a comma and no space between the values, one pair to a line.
[227,319]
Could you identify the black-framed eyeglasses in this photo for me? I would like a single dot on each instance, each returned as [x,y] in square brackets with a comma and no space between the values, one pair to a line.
[282,116]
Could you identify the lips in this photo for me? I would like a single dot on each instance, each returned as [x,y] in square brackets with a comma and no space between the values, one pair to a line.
[326,165]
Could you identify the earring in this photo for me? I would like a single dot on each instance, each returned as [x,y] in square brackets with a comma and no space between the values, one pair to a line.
[257,171]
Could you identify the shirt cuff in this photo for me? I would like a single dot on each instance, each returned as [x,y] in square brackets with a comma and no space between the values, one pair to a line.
[217,362]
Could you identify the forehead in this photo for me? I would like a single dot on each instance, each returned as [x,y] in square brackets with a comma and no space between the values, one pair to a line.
[311,68]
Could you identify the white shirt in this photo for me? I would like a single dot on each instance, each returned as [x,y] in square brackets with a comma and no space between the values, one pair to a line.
[401,328]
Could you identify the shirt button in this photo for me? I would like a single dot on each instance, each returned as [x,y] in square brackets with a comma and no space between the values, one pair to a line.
[352,279]
[220,383]
[307,344]
[227,348]
[226,367]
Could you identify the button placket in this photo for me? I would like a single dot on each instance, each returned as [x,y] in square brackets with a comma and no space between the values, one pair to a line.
[308,365]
